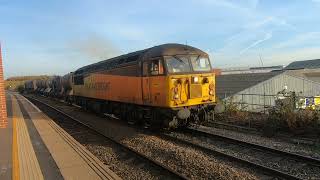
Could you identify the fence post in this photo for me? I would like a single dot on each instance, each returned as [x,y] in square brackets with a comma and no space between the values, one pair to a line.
[241,105]
[264,102]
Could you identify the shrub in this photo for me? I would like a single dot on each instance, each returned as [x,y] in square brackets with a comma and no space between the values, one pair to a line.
[296,121]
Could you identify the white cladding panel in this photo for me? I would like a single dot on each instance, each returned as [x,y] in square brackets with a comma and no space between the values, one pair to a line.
[262,94]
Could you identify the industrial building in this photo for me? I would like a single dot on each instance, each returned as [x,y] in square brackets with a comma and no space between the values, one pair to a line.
[255,91]
[247,70]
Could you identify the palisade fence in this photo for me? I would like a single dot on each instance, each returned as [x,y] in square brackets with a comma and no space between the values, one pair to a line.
[262,96]
[258,102]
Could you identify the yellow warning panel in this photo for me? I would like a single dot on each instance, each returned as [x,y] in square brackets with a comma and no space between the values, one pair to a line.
[317,100]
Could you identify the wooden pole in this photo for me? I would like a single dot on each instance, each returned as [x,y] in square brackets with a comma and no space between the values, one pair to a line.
[3,108]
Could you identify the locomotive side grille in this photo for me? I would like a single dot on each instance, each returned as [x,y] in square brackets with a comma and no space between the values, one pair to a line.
[195,91]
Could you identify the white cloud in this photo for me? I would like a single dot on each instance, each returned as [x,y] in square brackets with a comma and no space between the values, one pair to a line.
[270,20]
[285,57]
[300,39]
[269,58]
[242,7]
[253,29]
[261,23]
[266,37]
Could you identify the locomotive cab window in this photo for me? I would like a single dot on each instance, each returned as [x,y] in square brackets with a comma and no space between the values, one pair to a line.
[153,67]
[78,80]
[178,64]
[200,63]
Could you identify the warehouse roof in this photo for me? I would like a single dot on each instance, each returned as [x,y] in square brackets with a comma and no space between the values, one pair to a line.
[308,64]
[230,84]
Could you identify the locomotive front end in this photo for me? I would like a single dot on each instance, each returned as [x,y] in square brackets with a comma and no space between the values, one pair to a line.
[191,86]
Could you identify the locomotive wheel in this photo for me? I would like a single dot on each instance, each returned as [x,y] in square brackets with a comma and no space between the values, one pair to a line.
[203,115]
[123,112]
[131,116]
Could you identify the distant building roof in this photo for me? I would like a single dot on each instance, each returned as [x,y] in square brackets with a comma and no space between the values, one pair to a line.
[246,70]
[230,84]
[310,74]
[280,67]
[308,64]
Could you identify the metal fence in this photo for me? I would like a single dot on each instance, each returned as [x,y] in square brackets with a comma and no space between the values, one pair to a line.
[262,102]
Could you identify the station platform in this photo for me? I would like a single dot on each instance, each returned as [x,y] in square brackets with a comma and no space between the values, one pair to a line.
[33,146]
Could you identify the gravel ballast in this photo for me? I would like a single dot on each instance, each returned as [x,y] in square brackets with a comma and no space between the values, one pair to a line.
[188,161]
[193,163]
[123,163]
[273,160]
[269,142]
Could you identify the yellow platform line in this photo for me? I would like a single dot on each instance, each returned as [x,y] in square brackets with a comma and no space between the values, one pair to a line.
[28,165]
[15,158]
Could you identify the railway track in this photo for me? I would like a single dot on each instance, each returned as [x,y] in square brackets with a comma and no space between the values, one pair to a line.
[272,161]
[286,137]
[173,174]
[202,146]
[233,127]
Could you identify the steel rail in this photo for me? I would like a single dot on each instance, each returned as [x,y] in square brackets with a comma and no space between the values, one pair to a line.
[196,131]
[232,127]
[264,169]
[156,163]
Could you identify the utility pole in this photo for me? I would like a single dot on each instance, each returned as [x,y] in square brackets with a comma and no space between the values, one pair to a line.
[260,57]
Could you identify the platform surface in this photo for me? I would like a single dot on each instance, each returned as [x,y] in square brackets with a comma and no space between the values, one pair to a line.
[33,146]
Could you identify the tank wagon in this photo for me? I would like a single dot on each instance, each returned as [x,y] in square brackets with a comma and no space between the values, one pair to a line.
[30,86]
[41,85]
[56,86]
[49,86]
[66,86]
[168,85]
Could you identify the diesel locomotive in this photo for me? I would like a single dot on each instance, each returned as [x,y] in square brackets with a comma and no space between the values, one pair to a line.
[169,85]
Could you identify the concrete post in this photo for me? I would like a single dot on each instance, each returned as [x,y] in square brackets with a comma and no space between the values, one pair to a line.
[3,108]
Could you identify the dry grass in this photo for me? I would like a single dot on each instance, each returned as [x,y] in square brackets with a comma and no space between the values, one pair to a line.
[235,114]
[299,122]
[13,85]
[17,83]
[282,118]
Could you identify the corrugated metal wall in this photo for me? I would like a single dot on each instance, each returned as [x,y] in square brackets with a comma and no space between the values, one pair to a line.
[257,97]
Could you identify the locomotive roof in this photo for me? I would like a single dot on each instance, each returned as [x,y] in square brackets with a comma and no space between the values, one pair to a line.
[156,51]
[172,49]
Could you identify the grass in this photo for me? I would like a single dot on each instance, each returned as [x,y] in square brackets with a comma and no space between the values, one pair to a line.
[235,114]
[17,83]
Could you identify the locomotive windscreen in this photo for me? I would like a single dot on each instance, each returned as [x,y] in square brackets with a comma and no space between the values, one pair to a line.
[184,64]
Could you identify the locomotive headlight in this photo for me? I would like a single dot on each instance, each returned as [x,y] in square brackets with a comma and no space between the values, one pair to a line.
[176,93]
[195,79]
[211,89]
[211,86]
[175,90]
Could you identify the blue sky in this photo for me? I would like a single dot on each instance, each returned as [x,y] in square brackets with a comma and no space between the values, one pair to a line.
[55,37]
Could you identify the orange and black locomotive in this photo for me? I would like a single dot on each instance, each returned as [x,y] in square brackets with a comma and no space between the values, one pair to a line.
[168,85]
